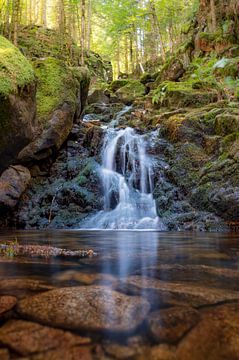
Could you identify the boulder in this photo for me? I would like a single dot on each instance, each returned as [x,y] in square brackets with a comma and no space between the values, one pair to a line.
[26,338]
[226,124]
[131,91]
[169,325]
[98,96]
[86,308]
[177,293]
[17,102]
[7,303]
[51,138]
[226,202]
[20,288]
[13,183]
[215,337]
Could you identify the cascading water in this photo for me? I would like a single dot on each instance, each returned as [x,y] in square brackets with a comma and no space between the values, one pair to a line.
[127,178]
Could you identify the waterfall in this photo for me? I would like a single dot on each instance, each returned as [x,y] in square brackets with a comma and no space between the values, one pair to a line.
[128,184]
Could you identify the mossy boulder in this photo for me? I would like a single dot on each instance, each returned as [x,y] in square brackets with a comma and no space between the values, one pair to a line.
[226,123]
[182,94]
[57,83]
[132,90]
[117,84]
[17,102]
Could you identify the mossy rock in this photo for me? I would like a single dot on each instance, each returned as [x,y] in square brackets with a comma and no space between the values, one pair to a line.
[230,146]
[57,83]
[117,84]
[226,123]
[15,70]
[132,90]
[181,94]
[17,102]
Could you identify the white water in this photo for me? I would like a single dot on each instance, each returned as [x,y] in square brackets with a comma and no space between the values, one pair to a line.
[127,179]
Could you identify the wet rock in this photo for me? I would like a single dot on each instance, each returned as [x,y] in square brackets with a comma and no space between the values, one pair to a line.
[85,278]
[177,293]
[27,338]
[159,352]
[72,353]
[120,351]
[93,139]
[215,337]
[7,303]
[98,96]
[4,354]
[51,139]
[13,182]
[218,277]
[22,287]
[226,202]
[87,308]
[169,325]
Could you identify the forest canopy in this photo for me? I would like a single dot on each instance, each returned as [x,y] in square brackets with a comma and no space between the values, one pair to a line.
[126,32]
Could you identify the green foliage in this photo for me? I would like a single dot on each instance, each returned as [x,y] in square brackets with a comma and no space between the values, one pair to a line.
[9,249]
[15,71]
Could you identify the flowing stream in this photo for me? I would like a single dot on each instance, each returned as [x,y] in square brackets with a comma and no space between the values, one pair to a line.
[127,179]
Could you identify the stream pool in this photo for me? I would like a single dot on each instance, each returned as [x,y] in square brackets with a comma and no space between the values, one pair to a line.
[145,292]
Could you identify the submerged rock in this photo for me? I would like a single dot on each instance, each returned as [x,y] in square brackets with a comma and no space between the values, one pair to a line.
[177,293]
[215,337]
[22,287]
[169,325]
[86,308]
[27,338]
[7,303]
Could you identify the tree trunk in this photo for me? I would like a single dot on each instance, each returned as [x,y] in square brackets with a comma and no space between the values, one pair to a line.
[82,32]
[89,10]
[157,28]
[213,15]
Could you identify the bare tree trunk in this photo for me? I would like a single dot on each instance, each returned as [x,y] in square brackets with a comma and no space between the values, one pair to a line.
[15,20]
[82,31]
[89,10]
[43,13]
[157,29]
[213,15]
[126,55]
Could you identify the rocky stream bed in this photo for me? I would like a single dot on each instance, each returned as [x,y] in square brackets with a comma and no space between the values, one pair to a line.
[145,295]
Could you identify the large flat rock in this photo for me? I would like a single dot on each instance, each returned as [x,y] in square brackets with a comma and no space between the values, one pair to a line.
[86,308]
[176,293]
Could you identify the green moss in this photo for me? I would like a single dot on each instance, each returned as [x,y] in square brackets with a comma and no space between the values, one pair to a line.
[117,84]
[183,94]
[131,91]
[56,83]
[15,71]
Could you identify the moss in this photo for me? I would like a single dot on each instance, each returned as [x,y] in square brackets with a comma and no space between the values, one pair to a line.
[131,91]
[56,83]
[15,71]
[117,84]
[182,94]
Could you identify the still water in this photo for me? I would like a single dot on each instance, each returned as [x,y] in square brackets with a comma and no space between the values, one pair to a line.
[135,277]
